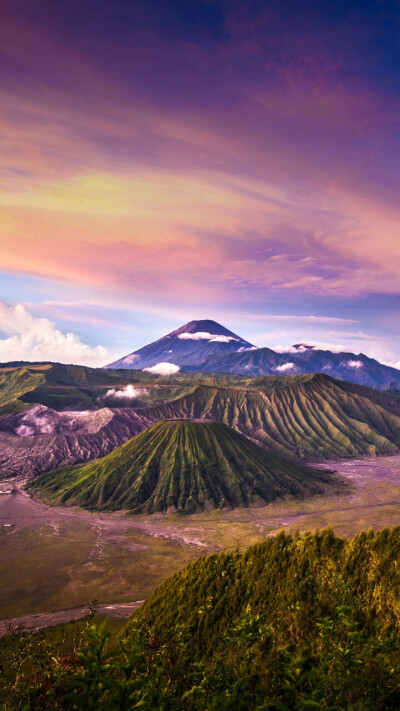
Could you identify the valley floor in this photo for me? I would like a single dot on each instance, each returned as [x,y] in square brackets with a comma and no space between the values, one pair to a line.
[54,558]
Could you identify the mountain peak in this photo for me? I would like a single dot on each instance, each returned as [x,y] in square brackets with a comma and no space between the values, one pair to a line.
[189,345]
[202,325]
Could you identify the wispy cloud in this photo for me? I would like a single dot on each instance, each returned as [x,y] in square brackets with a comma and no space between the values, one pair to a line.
[294,318]
[284,367]
[162,369]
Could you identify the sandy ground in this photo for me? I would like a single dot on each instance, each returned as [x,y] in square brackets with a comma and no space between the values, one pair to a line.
[371,499]
[19,510]
[14,625]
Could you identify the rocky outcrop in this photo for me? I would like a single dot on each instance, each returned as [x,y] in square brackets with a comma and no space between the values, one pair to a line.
[42,439]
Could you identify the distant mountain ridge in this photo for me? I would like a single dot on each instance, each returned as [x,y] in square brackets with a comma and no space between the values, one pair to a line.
[206,346]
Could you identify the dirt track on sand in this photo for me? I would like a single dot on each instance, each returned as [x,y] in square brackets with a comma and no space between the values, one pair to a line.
[119,611]
[19,510]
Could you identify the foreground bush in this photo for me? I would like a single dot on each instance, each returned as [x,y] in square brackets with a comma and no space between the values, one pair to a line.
[294,623]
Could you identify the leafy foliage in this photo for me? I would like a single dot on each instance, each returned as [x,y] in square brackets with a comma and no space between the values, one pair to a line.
[292,624]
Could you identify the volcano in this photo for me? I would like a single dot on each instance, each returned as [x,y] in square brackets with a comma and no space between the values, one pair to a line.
[189,346]
[183,466]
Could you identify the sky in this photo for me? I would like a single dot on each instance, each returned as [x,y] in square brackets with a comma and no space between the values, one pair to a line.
[168,160]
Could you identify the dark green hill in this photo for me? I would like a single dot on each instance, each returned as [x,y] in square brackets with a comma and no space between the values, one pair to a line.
[76,387]
[295,577]
[291,624]
[182,466]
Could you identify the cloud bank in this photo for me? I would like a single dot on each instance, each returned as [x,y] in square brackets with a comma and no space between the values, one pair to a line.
[284,367]
[37,339]
[353,364]
[128,392]
[197,336]
[162,369]
[131,358]
[205,336]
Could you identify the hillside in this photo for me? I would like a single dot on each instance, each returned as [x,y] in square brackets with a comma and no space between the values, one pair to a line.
[304,416]
[301,359]
[299,416]
[14,385]
[182,466]
[250,363]
[293,623]
[207,346]
[313,619]
[74,387]
[315,572]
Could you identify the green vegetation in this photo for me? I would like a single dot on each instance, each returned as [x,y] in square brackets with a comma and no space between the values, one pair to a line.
[305,416]
[78,387]
[14,384]
[293,623]
[182,466]
[308,416]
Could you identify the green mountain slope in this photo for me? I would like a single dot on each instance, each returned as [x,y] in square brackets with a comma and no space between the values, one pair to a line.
[316,572]
[14,385]
[306,416]
[75,387]
[291,624]
[182,466]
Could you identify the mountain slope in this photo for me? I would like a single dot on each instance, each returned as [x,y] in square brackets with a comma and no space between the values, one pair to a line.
[14,385]
[308,416]
[301,416]
[41,439]
[292,623]
[260,361]
[75,387]
[182,466]
[189,345]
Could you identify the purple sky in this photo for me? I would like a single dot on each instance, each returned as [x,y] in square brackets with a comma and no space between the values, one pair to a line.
[163,161]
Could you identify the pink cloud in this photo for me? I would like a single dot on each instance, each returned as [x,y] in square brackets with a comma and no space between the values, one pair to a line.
[133,189]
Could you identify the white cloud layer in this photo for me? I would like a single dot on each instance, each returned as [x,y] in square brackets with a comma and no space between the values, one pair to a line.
[205,336]
[37,339]
[131,358]
[353,364]
[312,345]
[294,349]
[222,339]
[285,366]
[197,336]
[162,369]
[128,392]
